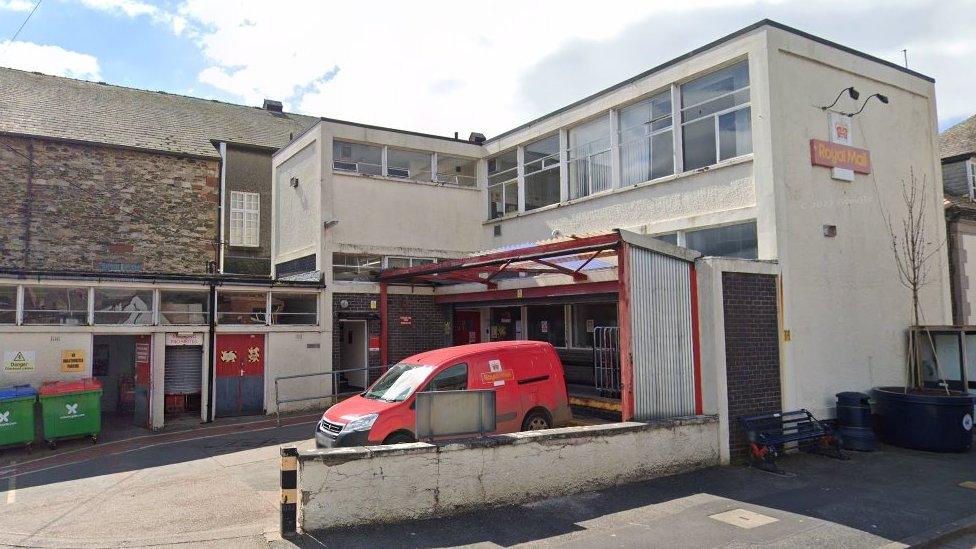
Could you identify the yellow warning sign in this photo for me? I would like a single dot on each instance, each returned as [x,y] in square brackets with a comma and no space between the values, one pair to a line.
[73,361]
[18,361]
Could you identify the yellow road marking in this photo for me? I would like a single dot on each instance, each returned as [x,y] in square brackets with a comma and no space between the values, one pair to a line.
[968,484]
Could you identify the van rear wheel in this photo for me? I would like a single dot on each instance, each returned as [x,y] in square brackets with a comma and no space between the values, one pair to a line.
[536,420]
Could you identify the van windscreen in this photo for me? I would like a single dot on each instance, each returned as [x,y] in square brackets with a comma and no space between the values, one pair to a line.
[399,382]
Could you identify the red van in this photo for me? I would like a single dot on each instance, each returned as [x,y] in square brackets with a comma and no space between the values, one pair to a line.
[527,377]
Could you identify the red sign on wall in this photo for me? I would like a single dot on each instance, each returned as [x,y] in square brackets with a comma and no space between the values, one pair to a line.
[835,155]
[406,320]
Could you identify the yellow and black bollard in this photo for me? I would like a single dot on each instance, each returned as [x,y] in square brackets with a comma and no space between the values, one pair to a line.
[289,491]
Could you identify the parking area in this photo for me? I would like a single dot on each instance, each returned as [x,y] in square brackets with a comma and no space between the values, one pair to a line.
[220,489]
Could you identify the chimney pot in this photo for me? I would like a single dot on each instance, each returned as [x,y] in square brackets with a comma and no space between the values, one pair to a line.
[272,105]
[477,138]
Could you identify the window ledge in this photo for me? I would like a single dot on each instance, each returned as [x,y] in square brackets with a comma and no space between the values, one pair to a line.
[401,180]
[666,179]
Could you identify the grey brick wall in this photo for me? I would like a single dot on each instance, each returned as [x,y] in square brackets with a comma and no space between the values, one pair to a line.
[92,205]
[751,351]
[427,329]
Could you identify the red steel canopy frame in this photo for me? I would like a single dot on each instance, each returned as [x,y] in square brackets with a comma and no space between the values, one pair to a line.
[473,269]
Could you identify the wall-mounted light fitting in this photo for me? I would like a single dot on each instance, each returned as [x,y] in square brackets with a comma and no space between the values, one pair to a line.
[293,181]
[830,231]
[882,98]
[330,223]
[854,94]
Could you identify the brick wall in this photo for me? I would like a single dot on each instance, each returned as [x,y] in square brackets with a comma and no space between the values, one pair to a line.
[751,351]
[93,205]
[426,330]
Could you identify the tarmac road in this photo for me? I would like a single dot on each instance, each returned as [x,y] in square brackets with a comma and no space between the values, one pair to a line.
[217,491]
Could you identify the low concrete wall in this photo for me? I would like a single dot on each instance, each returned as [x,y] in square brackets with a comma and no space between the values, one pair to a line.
[353,486]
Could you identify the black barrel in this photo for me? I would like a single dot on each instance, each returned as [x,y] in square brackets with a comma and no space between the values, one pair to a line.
[854,421]
[931,421]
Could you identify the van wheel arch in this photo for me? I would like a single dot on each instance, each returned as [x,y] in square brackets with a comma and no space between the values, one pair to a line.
[538,411]
[402,436]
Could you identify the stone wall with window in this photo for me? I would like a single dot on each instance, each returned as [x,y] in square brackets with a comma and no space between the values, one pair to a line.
[247,221]
[93,208]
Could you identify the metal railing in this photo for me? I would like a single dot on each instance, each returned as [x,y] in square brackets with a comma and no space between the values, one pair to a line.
[335,383]
[606,360]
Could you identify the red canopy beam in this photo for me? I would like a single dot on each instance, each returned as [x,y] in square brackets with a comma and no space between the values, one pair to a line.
[578,276]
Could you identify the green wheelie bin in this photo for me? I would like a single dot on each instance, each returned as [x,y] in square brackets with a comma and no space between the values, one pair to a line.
[17,415]
[71,409]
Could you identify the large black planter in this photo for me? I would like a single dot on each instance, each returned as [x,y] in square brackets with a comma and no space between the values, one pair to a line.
[934,422]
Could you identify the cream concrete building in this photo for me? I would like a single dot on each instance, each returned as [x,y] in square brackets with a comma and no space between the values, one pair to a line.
[712,151]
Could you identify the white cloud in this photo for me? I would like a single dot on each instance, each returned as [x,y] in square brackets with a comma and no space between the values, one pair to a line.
[16,5]
[450,66]
[49,60]
[137,8]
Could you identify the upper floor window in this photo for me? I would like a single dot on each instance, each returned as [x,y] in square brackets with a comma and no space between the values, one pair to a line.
[542,172]
[48,305]
[455,170]
[8,304]
[408,164]
[245,218]
[589,157]
[716,120]
[359,267]
[503,183]
[728,241]
[357,158]
[123,306]
[971,178]
[404,262]
[646,140]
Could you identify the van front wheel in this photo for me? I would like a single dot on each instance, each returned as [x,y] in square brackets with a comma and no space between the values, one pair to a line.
[536,420]
[399,438]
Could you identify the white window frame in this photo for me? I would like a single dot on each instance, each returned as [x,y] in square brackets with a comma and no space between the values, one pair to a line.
[247,211]
[649,135]
[971,178]
[516,175]
[583,155]
[715,115]
[411,260]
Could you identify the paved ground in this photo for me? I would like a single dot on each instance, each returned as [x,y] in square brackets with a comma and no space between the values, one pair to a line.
[219,491]
[872,500]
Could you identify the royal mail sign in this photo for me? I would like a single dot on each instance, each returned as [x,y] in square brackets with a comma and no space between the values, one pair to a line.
[835,155]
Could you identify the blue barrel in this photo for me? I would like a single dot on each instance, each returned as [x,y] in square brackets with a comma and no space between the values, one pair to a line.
[854,422]
[930,420]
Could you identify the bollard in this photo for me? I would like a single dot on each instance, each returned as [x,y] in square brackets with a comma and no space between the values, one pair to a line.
[289,491]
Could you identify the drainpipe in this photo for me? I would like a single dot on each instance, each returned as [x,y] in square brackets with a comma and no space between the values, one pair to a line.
[384,326]
[212,353]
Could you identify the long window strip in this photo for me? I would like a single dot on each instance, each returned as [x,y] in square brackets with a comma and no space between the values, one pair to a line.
[685,121]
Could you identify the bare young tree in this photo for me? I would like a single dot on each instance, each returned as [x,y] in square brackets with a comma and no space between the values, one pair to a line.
[913,249]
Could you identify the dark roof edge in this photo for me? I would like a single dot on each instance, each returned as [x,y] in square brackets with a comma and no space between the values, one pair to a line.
[218,280]
[85,143]
[706,47]
[395,130]
[237,144]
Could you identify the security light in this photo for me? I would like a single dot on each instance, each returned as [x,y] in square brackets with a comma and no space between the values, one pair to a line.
[882,98]
[294,182]
[854,94]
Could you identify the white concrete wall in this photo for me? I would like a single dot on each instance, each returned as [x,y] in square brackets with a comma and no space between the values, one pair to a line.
[843,303]
[358,486]
[295,353]
[47,347]
[296,212]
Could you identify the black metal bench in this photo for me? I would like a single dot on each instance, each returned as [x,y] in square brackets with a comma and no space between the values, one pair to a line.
[768,433]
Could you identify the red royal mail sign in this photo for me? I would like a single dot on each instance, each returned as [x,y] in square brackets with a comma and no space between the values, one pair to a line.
[835,155]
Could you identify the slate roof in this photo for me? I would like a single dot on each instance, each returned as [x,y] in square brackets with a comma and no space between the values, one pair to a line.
[959,140]
[64,108]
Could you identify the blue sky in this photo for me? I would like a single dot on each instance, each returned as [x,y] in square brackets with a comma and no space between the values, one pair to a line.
[445,66]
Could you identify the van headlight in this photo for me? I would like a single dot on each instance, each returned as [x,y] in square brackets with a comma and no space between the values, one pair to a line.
[362,423]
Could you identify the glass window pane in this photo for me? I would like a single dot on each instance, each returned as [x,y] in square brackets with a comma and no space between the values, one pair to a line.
[294,308]
[241,307]
[715,84]
[408,164]
[8,304]
[356,157]
[547,323]
[397,262]
[662,155]
[454,378]
[948,367]
[542,154]
[698,143]
[455,170]
[121,306]
[731,241]
[503,167]
[669,238]
[648,115]
[66,306]
[726,102]
[542,189]
[183,308]
[589,138]
[588,316]
[355,266]
[735,133]
[495,202]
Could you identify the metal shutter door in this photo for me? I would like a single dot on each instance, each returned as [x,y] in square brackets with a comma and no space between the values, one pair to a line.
[183,370]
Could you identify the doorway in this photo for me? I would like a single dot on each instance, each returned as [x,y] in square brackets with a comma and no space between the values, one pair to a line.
[123,365]
[467,327]
[353,354]
[240,374]
[506,324]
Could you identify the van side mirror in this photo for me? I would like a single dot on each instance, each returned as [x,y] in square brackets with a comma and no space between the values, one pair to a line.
[413,404]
